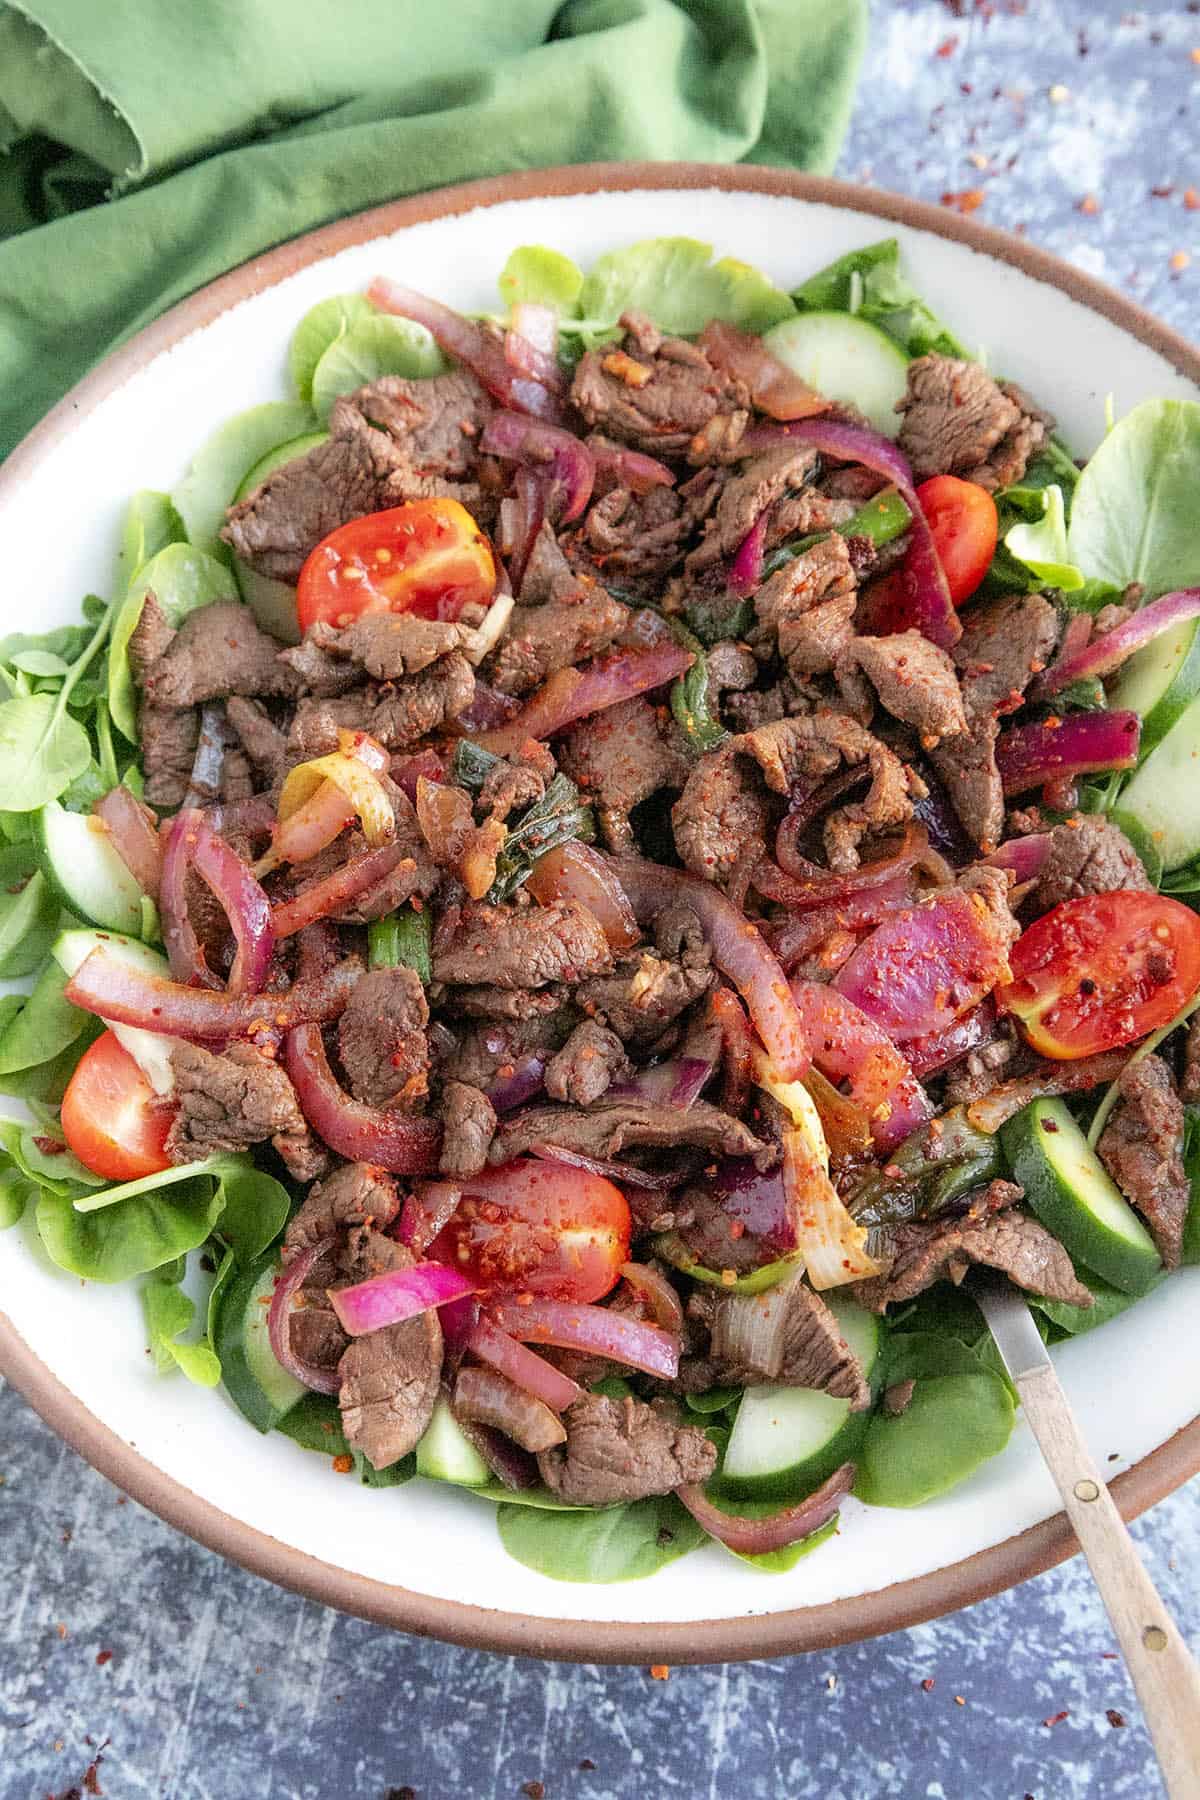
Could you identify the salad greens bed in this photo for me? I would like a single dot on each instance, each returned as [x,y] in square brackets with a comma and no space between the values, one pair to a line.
[68,734]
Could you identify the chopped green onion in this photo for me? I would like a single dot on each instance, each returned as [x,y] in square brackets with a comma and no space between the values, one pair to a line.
[882,518]
[401,940]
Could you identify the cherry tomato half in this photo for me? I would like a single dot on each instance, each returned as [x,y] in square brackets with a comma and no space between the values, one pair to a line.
[538,1228]
[112,1118]
[1102,971]
[962,519]
[428,557]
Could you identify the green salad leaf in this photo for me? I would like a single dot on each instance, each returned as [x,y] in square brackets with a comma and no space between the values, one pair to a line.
[961,1414]
[219,466]
[675,281]
[321,326]
[42,750]
[182,579]
[28,913]
[168,1313]
[254,1210]
[534,273]
[316,1424]
[776,1562]
[1133,515]
[375,346]
[871,284]
[16,1191]
[151,523]
[148,1229]
[1073,1321]
[614,1543]
[1039,538]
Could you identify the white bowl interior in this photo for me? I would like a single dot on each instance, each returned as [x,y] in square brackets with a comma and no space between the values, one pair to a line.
[1129,1396]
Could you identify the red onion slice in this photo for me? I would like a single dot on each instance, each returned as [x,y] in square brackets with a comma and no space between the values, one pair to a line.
[1025,856]
[1101,655]
[124,995]
[774,388]
[745,571]
[922,968]
[598,1165]
[485,1397]
[1080,743]
[758,1200]
[392,1140]
[427,1208]
[598,1330]
[133,829]
[850,1047]
[652,1285]
[279,1321]
[631,468]
[406,770]
[928,1055]
[396,1295]
[566,458]
[575,871]
[187,959]
[512,1090]
[244,904]
[529,1370]
[336,892]
[487,710]
[679,1082]
[753,1537]
[531,345]
[739,950]
[470,344]
[577,693]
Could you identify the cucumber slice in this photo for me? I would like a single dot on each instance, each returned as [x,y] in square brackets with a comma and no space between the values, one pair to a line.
[1161,681]
[1164,794]
[445,1453]
[85,871]
[1072,1193]
[258,1386]
[273,603]
[149,1050]
[786,1441]
[844,358]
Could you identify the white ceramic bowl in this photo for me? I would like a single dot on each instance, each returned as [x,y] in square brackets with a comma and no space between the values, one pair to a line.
[425,1557]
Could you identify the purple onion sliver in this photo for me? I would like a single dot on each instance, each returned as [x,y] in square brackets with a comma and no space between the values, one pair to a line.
[279,1321]
[396,1295]
[1101,655]
[745,571]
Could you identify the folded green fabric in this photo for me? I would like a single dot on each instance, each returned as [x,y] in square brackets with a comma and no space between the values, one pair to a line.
[146,146]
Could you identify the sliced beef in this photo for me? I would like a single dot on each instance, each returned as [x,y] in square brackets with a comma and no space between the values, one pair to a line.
[713,1236]
[274,528]
[721,814]
[647,992]
[511,1005]
[1004,644]
[469,1123]
[548,574]
[382,1040]
[758,485]
[218,650]
[806,609]
[998,1239]
[389,645]
[489,1052]
[427,430]
[966,765]
[808,1351]
[398,714]
[797,753]
[1088,855]
[620,1450]
[261,739]
[620,757]
[523,947]
[1142,1149]
[592,1058]
[958,421]
[319,672]
[233,1100]
[635,535]
[169,736]
[355,1194]
[390,1379]
[150,640]
[516,781]
[658,393]
[542,639]
[606,1130]
[915,680]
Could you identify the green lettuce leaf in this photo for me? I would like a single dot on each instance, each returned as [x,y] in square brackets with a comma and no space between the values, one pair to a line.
[1133,515]
[870,283]
[220,464]
[380,345]
[168,1313]
[533,273]
[46,1024]
[961,1414]
[675,281]
[615,1543]
[1039,539]
[321,326]
[147,1230]
[254,1211]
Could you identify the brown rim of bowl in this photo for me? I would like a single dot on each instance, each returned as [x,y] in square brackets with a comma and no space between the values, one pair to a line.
[905,1603]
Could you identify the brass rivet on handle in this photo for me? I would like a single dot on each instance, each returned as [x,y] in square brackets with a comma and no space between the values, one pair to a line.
[1154,1637]
[1087,1490]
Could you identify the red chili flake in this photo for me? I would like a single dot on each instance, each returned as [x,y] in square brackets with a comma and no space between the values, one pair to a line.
[1089,205]
[50,1146]
[1163,192]
[343,1464]
[1058,1717]
[586,1764]
[102,1657]
[967,201]
[535,1790]
[927,1685]
[947,47]
[1108,1656]
[1115,1719]
[660,1671]
[400,1793]
[1179,262]
[959,1700]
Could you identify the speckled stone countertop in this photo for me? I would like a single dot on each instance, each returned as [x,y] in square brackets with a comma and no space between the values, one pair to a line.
[1077,123]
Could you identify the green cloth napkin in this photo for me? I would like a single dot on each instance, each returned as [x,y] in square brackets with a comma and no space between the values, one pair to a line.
[146,146]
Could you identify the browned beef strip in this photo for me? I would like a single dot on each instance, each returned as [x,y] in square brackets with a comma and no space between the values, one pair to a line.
[539,640]
[1004,644]
[354,1194]
[511,1005]
[721,813]
[274,528]
[1142,1149]
[657,393]
[1009,1241]
[646,992]
[766,479]
[218,650]
[523,947]
[606,1130]
[711,1234]
[810,1351]
[428,428]
[261,739]
[231,1101]
[1189,1080]
[805,749]
[515,782]
[636,535]
[1030,1078]
[966,764]
[619,1450]
[398,714]
[469,1122]
[169,736]
[389,1381]
[958,421]
[320,673]
[152,637]
[806,609]
[915,680]
[1088,855]
[382,1040]
[620,757]
[547,573]
[592,1058]
[389,645]
[484,1052]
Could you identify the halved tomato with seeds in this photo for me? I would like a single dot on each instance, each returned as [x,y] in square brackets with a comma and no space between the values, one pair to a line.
[427,557]
[1102,971]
